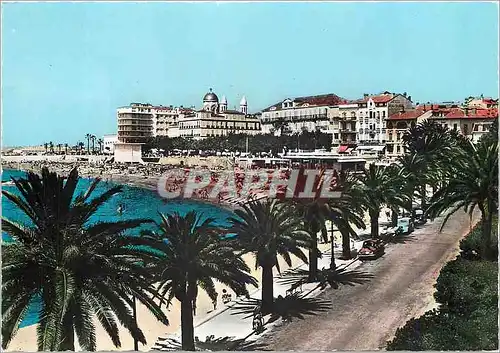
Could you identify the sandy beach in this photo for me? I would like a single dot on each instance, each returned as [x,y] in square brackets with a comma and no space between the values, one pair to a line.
[25,339]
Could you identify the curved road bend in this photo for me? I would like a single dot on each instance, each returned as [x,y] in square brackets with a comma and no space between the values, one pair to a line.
[365,317]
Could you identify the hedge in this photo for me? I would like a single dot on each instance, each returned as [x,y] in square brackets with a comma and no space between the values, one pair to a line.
[467,318]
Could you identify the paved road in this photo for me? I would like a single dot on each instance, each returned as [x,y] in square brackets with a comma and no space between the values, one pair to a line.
[364,317]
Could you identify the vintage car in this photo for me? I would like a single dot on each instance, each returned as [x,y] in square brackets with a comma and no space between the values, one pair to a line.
[371,249]
[420,217]
[405,225]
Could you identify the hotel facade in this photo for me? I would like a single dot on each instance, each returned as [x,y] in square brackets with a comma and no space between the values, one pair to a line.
[215,119]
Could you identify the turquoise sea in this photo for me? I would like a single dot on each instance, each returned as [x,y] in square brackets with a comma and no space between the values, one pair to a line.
[136,203]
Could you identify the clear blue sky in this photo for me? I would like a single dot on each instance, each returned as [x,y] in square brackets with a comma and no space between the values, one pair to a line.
[68,66]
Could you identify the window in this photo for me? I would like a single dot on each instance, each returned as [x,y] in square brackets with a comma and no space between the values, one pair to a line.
[336,136]
[455,127]
[398,148]
[378,115]
[344,115]
[390,137]
[398,136]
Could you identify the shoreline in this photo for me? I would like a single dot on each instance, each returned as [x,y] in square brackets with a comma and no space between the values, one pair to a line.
[23,341]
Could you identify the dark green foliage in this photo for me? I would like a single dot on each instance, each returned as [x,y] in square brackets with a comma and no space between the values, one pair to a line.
[79,270]
[237,142]
[465,286]
[470,246]
[438,330]
[270,229]
[467,319]
[195,256]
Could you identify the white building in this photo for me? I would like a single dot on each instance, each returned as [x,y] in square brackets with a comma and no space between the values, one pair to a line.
[109,143]
[215,119]
[373,112]
[298,114]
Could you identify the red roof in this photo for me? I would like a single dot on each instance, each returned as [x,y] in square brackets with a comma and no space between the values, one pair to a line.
[408,114]
[319,100]
[472,113]
[380,98]
[455,113]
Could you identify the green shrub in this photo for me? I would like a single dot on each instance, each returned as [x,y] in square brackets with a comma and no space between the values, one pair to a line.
[464,286]
[468,316]
[470,246]
[440,330]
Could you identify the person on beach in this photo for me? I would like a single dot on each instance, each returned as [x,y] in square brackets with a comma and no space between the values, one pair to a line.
[226,297]
[214,302]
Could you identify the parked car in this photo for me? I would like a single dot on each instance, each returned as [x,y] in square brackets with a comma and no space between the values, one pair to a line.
[371,249]
[405,224]
[419,216]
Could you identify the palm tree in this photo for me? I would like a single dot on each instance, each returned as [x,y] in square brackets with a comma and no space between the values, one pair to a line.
[93,139]
[100,142]
[46,145]
[51,147]
[474,185]
[433,145]
[88,137]
[399,176]
[59,146]
[346,210]
[194,254]
[78,269]
[66,148]
[411,177]
[314,210]
[375,186]
[80,146]
[269,229]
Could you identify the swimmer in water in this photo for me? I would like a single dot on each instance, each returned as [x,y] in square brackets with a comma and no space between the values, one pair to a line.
[120,209]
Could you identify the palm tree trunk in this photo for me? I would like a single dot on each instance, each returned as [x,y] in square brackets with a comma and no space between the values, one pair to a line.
[374,223]
[267,289]
[394,217]
[423,201]
[68,340]
[486,226]
[187,326]
[346,244]
[313,257]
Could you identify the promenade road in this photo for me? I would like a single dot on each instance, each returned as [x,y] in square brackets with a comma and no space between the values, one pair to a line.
[364,317]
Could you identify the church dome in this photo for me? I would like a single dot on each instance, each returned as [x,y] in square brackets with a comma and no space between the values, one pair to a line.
[211,97]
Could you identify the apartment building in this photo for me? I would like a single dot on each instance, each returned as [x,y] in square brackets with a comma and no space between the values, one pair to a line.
[396,126]
[372,114]
[301,113]
[346,120]
[166,119]
[472,120]
[135,123]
